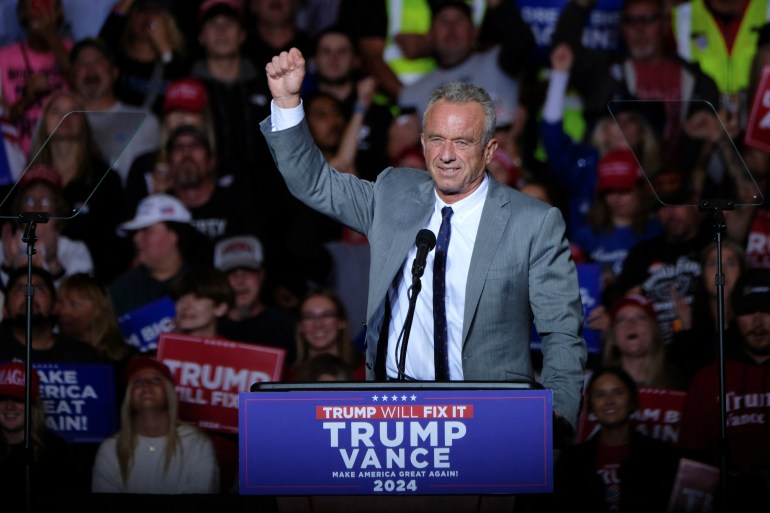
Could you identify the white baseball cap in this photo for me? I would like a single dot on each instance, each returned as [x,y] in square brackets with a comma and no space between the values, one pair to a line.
[243,251]
[155,209]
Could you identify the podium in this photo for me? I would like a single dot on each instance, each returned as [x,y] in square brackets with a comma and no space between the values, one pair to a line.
[396,443]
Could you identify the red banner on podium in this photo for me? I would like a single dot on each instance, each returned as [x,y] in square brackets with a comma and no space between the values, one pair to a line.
[210,373]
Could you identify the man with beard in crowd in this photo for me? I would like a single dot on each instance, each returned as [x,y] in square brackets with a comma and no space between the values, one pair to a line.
[47,345]
[216,210]
[122,132]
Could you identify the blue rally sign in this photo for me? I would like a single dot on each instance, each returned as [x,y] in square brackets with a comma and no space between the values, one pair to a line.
[396,441]
[78,400]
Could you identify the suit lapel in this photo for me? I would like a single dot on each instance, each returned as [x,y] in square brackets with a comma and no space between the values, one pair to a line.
[410,215]
[494,219]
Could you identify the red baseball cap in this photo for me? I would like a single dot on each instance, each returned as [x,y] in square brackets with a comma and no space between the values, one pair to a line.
[617,171]
[41,173]
[138,363]
[12,381]
[635,300]
[187,94]
[210,8]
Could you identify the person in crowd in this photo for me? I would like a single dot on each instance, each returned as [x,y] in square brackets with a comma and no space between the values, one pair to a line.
[202,296]
[53,468]
[33,68]
[697,344]
[192,166]
[393,38]
[237,94]
[746,382]
[84,311]
[323,329]
[458,126]
[572,164]
[647,71]
[620,216]
[274,29]
[721,37]
[185,103]
[151,51]
[251,319]
[165,243]
[634,342]
[337,71]
[64,141]
[667,268]
[618,469]
[121,132]
[40,190]
[154,452]
[46,344]
[453,37]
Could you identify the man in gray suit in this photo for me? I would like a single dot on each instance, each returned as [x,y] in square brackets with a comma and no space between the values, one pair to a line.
[508,258]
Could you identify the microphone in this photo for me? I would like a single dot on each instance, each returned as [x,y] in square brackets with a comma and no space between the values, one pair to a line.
[425,241]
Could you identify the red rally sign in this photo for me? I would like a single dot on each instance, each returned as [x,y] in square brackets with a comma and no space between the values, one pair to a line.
[210,373]
[758,125]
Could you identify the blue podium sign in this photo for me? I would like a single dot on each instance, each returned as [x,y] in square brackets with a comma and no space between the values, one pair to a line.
[396,442]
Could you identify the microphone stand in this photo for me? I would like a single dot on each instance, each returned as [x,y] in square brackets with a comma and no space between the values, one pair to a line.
[412,294]
[31,219]
[716,208]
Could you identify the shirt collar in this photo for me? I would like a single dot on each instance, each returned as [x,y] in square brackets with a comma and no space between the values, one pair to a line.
[465,206]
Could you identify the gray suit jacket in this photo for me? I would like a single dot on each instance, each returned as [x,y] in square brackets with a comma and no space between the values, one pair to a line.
[521,266]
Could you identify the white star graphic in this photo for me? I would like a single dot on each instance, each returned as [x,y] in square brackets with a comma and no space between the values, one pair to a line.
[385,398]
[413,398]
[395,397]
[375,398]
[403,398]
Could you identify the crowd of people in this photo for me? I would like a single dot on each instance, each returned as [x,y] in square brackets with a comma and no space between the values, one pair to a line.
[135,125]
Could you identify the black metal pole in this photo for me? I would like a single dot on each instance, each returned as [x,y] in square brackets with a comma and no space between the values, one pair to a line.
[29,238]
[717,208]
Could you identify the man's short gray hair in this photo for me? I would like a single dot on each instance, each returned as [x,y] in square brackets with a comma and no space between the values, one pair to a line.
[462,92]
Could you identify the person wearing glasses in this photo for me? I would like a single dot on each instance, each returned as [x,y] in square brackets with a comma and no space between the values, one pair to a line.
[323,329]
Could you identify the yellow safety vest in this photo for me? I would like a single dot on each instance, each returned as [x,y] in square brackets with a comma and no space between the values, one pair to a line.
[699,40]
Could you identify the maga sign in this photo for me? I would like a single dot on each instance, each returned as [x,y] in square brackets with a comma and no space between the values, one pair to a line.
[78,400]
[209,374]
[372,442]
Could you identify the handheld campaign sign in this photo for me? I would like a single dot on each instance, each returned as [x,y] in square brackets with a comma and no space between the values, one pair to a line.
[143,326]
[381,439]
[78,400]
[209,374]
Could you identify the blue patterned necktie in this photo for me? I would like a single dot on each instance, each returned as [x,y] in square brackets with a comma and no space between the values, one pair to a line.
[441,351]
